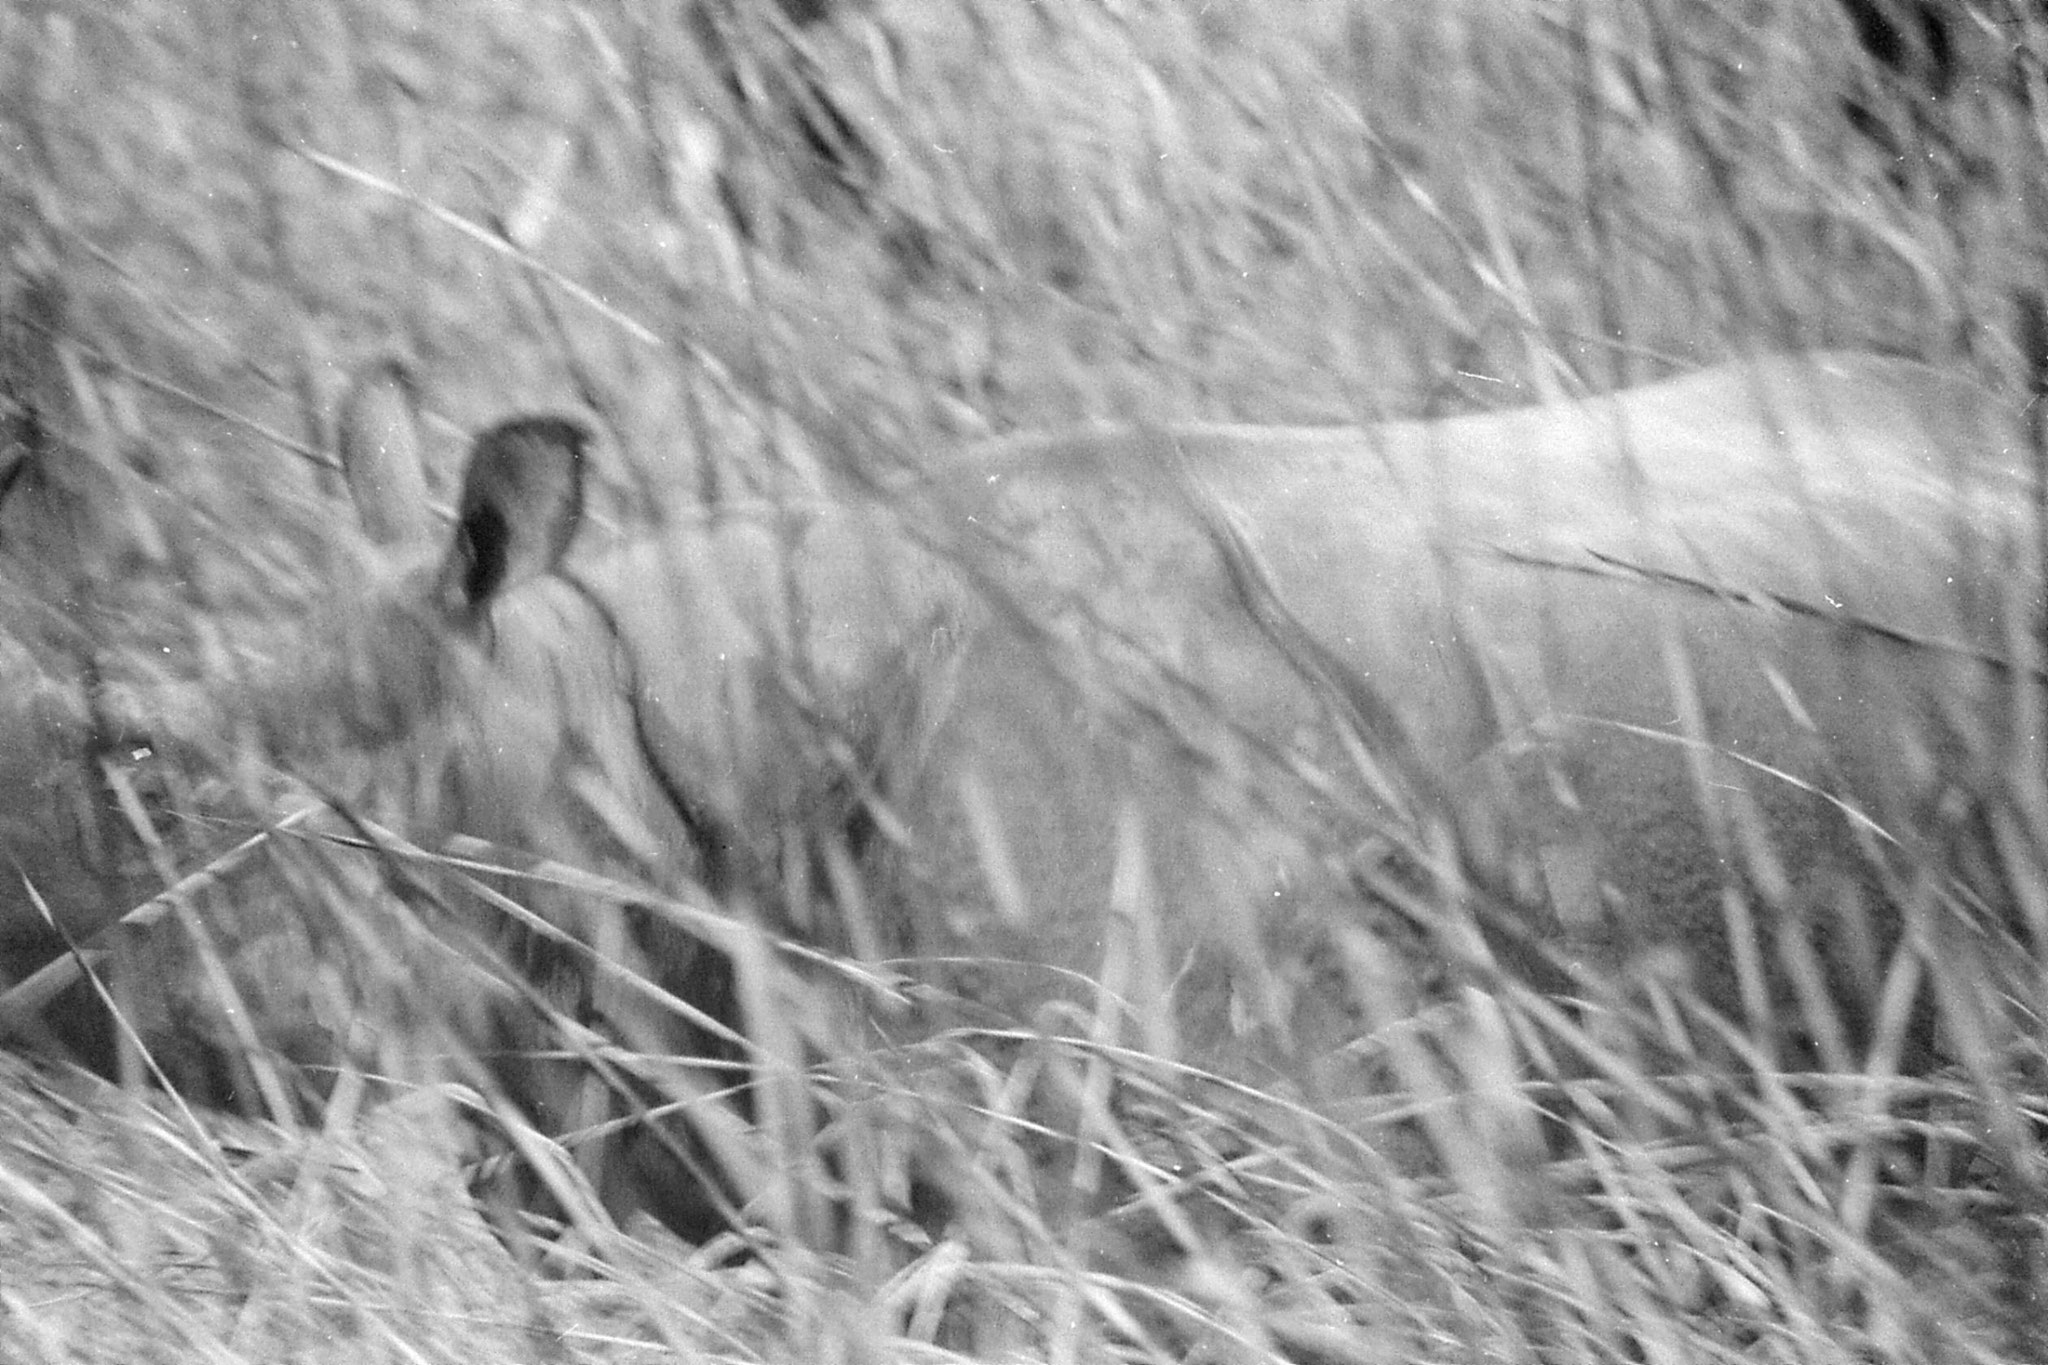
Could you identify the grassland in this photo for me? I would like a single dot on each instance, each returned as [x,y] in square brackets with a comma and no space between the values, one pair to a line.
[1034,214]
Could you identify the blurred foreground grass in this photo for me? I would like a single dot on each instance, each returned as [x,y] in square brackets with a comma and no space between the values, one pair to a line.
[1322,212]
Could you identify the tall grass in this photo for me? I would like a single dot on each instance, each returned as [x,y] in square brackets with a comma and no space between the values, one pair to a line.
[1065,212]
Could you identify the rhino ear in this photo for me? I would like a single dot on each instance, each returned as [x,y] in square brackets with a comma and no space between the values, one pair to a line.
[378,432]
[522,500]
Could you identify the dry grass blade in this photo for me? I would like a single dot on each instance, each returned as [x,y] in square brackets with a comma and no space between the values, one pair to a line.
[28,997]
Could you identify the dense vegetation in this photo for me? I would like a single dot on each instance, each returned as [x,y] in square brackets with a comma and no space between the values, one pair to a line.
[769,254]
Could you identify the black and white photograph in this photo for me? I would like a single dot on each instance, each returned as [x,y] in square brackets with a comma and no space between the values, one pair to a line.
[1104,682]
